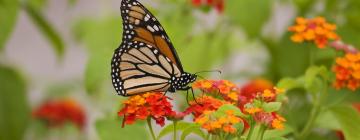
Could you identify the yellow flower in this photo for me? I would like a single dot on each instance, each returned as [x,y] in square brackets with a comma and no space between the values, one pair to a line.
[233,96]
[253,110]
[277,123]
[202,120]
[268,94]
[279,90]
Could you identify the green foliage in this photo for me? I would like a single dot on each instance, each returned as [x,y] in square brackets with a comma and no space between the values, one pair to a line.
[101,38]
[14,109]
[252,23]
[186,128]
[47,29]
[349,120]
[110,129]
[271,106]
[192,130]
[7,21]
[221,111]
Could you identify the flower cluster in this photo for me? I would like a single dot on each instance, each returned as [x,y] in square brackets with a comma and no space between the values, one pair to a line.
[56,113]
[347,70]
[140,107]
[204,103]
[250,90]
[217,4]
[224,88]
[220,109]
[215,123]
[317,30]
[255,108]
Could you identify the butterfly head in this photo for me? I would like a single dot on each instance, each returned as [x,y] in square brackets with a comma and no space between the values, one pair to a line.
[182,82]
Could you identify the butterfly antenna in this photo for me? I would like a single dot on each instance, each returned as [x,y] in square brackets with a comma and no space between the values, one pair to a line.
[206,71]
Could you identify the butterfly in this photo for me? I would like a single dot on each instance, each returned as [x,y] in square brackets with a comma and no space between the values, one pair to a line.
[146,60]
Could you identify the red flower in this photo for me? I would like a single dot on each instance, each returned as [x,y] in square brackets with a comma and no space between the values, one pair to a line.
[217,4]
[140,107]
[205,103]
[251,90]
[57,112]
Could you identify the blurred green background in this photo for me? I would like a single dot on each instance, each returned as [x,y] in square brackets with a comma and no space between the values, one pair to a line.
[55,49]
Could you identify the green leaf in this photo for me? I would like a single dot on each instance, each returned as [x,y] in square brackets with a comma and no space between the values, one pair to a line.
[326,119]
[100,37]
[192,130]
[110,129]
[9,10]
[276,138]
[251,23]
[180,126]
[226,107]
[47,29]
[312,82]
[349,120]
[290,83]
[276,134]
[14,109]
[272,106]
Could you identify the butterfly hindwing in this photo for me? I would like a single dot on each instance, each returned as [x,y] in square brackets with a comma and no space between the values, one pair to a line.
[140,25]
[138,67]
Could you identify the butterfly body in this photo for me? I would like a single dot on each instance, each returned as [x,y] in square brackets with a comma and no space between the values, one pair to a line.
[146,59]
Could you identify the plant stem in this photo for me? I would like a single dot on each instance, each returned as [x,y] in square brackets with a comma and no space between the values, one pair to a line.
[207,136]
[150,128]
[174,124]
[315,111]
[312,56]
[261,132]
[251,129]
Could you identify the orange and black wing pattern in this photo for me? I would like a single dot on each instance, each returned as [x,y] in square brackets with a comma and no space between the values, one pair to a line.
[140,25]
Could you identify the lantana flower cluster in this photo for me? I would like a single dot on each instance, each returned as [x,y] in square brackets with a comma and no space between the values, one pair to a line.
[151,104]
[56,113]
[316,30]
[214,123]
[347,70]
[319,31]
[251,104]
[220,108]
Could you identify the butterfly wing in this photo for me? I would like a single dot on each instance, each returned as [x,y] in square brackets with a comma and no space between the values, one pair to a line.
[140,25]
[138,67]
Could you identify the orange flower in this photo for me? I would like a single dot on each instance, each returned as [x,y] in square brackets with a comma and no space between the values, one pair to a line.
[205,103]
[347,71]
[228,90]
[142,106]
[214,123]
[58,112]
[268,94]
[252,89]
[278,122]
[253,110]
[316,30]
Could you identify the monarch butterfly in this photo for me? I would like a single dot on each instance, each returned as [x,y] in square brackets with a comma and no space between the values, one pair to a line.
[146,60]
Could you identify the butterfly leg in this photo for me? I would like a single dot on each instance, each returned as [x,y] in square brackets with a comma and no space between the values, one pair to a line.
[192,91]
[187,97]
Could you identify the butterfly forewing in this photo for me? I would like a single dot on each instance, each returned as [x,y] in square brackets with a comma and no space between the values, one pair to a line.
[138,67]
[140,25]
